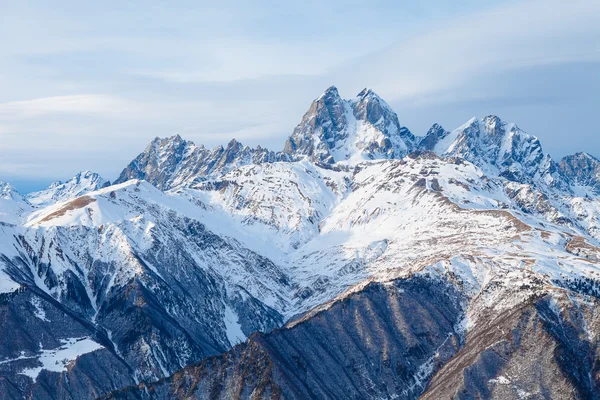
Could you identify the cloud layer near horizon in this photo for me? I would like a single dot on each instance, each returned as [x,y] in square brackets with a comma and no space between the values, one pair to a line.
[87,86]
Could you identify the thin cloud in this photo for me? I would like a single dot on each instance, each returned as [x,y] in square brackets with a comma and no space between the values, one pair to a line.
[72,104]
[507,37]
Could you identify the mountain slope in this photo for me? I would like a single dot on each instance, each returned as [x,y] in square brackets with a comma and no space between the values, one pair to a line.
[470,245]
[374,343]
[125,261]
[406,339]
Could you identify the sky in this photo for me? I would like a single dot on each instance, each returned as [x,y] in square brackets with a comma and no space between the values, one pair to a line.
[87,85]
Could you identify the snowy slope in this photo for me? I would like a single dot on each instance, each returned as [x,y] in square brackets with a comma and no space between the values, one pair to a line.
[283,203]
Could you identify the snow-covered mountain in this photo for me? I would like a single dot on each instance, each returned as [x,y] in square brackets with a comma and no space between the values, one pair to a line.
[364,128]
[171,162]
[500,148]
[80,184]
[461,264]
[13,205]
[583,169]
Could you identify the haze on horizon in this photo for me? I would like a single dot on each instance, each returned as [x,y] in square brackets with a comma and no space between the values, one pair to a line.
[87,86]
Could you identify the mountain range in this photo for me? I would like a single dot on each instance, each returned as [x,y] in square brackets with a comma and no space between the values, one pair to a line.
[361,261]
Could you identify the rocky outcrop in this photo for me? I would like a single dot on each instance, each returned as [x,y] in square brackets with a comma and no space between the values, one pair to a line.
[335,130]
[583,169]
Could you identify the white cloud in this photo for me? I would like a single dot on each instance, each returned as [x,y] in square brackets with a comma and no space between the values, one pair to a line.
[507,37]
[72,104]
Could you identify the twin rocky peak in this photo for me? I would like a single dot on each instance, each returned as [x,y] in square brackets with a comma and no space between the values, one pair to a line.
[335,130]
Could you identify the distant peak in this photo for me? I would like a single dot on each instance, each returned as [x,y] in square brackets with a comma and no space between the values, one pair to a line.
[492,118]
[361,128]
[584,155]
[331,91]
[435,128]
[366,100]
[5,186]
[86,173]
[233,143]
[169,139]
[367,92]
[492,121]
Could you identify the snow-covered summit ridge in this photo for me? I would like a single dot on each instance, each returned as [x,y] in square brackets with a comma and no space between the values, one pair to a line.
[499,147]
[83,182]
[173,161]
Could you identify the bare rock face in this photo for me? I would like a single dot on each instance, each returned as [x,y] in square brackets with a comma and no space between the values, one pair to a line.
[433,137]
[544,349]
[583,169]
[381,342]
[322,124]
[405,340]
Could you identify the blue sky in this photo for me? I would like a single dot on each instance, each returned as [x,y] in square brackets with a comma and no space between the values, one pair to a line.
[86,85]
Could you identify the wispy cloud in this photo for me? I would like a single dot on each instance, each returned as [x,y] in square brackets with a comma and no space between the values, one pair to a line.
[72,104]
[507,37]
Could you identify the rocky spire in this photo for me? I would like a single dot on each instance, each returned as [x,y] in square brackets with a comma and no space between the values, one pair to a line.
[335,130]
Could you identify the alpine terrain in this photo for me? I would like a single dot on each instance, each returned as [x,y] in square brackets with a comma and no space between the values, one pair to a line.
[362,261]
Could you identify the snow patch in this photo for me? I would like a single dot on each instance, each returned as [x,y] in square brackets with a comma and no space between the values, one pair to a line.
[233,327]
[7,285]
[57,360]
[38,309]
